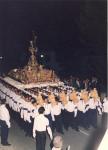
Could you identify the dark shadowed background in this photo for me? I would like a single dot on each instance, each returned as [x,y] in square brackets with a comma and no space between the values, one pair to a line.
[74,31]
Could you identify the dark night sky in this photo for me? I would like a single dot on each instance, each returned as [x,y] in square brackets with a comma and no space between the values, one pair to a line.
[73,29]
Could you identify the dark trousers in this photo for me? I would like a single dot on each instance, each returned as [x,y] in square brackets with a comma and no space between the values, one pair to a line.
[65,119]
[69,120]
[57,124]
[104,120]
[93,117]
[40,140]
[74,122]
[4,132]
[80,118]
[86,120]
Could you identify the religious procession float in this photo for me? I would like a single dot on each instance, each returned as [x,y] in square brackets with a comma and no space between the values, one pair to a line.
[28,88]
[33,74]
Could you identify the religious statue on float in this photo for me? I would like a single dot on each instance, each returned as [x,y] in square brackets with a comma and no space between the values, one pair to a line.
[33,72]
[32,63]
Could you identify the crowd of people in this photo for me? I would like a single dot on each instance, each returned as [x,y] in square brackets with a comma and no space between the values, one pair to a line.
[64,106]
[82,83]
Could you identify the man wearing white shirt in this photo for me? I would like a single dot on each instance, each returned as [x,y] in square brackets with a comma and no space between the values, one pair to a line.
[48,113]
[105,113]
[105,105]
[81,112]
[41,125]
[4,123]
[56,110]
[70,111]
[92,112]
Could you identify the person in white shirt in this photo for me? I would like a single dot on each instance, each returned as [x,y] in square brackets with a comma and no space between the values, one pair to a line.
[70,113]
[81,112]
[47,113]
[105,105]
[105,113]
[41,125]
[56,110]
[4,123]
[92,116]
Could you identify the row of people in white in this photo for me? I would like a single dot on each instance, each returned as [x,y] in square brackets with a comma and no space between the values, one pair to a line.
[16,102]
[27,109]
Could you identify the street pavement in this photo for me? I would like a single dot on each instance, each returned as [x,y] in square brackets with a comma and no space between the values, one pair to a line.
[82,140]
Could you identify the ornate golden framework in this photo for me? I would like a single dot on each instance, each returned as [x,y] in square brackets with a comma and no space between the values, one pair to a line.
[33,72]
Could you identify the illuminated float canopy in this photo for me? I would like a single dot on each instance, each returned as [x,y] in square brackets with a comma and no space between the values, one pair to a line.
[33,74]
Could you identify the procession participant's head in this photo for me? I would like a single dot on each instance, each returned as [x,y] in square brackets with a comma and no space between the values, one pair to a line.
[58,142]
[45,98]
[19,92]
[70,100]
[2,101]
[30,98]
[57,99]
[36,93]
[73,90]
[27,97]
[35,103]
[51,96]
[81,99]
[33,100]
[65,91]
[39,97]
[41,110]
[94,89]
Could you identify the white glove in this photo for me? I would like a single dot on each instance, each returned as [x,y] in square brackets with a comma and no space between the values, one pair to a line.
[84,111]
[87,108]
[51,137]
[34,134]
[29,120]
[8,124]
[68,148]
[53,119]
[99,110]
[75,113]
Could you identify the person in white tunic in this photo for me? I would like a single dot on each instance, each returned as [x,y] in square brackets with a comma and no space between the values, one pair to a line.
[4,123]
[41,125]
[105,113]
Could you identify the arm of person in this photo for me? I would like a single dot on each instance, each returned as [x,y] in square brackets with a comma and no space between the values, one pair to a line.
[75,112]
[8,123]
[50,132]
[87,107]
[52,115]
[34,129]
[49,129]
[99,110]
[7,118]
